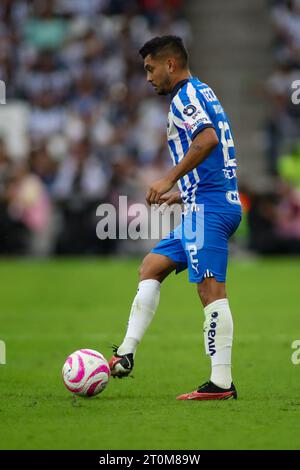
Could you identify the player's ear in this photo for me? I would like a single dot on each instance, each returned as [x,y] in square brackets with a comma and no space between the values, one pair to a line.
[171,64]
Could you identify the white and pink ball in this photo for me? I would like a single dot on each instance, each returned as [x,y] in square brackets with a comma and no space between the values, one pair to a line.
[86,372]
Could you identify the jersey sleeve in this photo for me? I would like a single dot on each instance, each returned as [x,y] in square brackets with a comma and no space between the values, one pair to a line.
[192,112]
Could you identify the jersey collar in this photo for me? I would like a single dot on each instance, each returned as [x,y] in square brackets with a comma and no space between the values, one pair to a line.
[178,86]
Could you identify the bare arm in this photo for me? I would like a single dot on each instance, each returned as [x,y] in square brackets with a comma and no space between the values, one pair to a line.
[200,149]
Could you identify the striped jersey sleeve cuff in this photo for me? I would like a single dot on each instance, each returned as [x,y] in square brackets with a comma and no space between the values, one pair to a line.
[200,129]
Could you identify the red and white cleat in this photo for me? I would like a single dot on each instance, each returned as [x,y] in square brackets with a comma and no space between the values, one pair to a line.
[210,391]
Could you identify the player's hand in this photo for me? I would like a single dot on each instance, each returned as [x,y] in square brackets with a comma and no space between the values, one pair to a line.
[158,189]
[170,199]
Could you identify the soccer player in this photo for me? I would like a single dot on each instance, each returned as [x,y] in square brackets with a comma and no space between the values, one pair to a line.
[202,149]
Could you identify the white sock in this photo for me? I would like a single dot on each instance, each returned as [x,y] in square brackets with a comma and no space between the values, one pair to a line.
[218,336]
[142,311]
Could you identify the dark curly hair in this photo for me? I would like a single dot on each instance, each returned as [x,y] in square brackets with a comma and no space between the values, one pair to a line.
[164,45]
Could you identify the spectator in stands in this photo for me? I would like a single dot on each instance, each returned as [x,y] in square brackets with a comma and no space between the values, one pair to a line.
[42,165]
[72,66]
[25,212]
[80,186]
[284,116]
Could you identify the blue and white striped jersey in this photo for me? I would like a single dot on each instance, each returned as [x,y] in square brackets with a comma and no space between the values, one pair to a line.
[194,107]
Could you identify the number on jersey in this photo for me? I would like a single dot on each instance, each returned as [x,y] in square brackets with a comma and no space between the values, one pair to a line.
[227,142]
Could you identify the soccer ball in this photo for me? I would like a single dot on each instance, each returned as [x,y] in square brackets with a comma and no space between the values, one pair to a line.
[86,372]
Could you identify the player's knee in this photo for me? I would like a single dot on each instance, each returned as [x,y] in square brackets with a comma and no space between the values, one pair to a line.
[210,290]
[155,267]
[146,270]
[141,270]
[203,293]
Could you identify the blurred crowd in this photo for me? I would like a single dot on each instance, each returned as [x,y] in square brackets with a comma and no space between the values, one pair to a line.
[81,125]
[284,119]
[274,211]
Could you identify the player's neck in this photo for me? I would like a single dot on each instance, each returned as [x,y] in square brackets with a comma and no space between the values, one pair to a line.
[179,81]
[184,75]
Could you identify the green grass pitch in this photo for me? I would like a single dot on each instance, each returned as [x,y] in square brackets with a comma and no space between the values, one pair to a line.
[51,308]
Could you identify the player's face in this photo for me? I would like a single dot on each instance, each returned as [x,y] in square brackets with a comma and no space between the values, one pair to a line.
[158,74]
